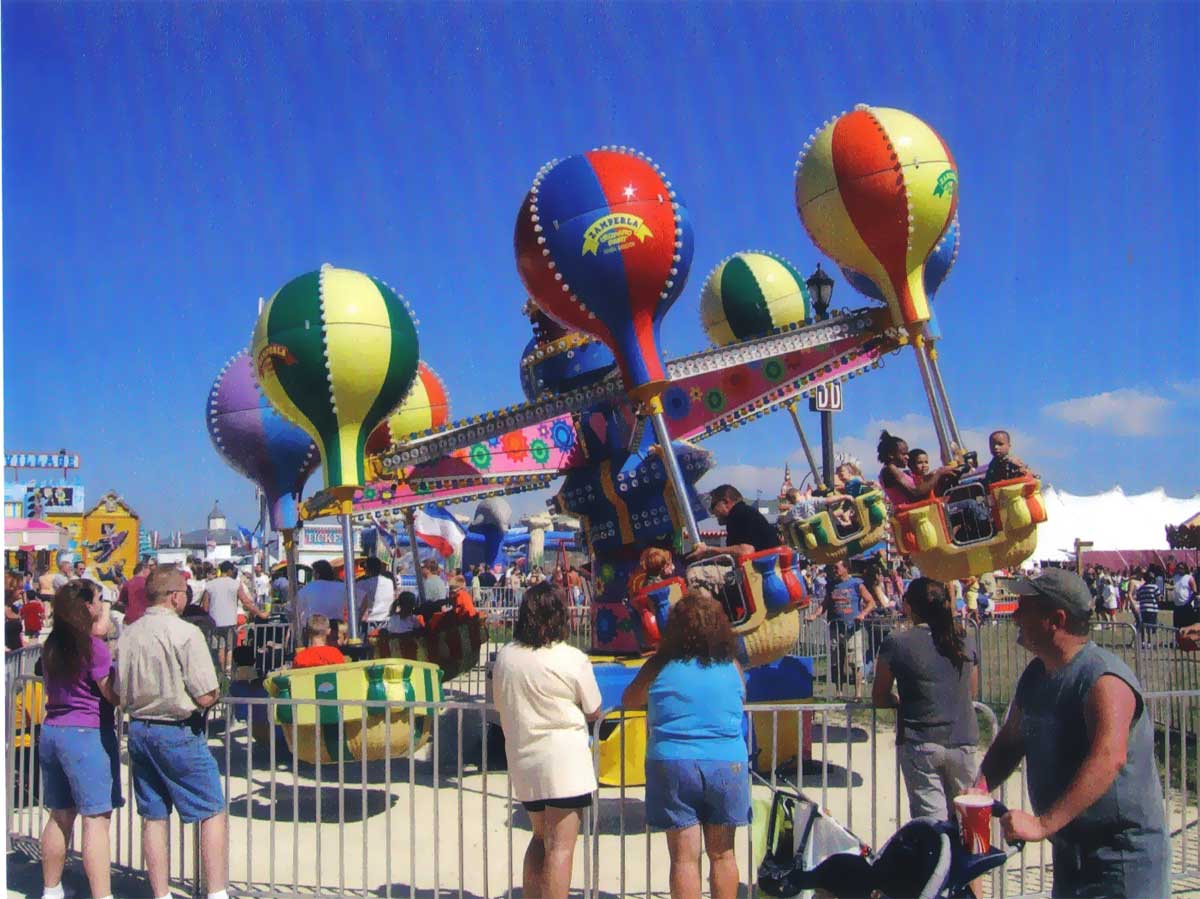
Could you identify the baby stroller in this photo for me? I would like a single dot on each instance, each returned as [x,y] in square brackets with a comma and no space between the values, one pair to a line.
[924,859]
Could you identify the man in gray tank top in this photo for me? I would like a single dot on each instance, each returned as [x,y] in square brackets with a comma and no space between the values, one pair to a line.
[1079,722]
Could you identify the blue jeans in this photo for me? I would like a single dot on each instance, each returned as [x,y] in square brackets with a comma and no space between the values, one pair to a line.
[173,767]
[683,792]
[80,769]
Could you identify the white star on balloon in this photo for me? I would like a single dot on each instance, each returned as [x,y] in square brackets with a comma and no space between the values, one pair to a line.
[630,190]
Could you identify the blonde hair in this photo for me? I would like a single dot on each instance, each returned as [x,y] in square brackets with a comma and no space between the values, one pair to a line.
[317,625]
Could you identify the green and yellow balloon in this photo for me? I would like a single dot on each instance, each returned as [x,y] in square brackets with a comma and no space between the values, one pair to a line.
[335,352]
[750,294]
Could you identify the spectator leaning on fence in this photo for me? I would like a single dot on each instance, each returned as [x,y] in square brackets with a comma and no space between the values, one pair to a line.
[934,667]
[546,694]
[166,680]
[697,782]
[77,746]
[1079,721]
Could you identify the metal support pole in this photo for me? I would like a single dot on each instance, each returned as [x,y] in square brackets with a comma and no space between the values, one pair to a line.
[265,518]
[812,463]
[411,524]
[918,341]
[348,576]
[289,549]
[940,386]
[675,475]
[827,447]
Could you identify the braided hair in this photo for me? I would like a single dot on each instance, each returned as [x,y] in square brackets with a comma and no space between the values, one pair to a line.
[931,602]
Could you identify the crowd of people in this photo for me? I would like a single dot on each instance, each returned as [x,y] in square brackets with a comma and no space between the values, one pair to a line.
[1078,720]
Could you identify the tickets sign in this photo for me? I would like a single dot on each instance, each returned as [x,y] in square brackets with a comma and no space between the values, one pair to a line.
[41,460]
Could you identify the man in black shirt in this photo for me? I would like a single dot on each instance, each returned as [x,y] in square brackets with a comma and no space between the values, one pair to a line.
[746,530]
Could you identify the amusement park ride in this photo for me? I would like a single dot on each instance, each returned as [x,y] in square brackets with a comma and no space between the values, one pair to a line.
[603,245]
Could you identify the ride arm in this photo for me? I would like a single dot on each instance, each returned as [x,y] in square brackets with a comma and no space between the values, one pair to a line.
[638,691]
[882,694]
[1005,753]
[1111,705]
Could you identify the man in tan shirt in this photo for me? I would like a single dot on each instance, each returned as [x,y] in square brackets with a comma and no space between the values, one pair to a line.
[166,679]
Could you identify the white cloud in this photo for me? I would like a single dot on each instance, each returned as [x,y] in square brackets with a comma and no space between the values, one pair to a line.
[915,428]
[1189,390]
[1127,412]
[917,431]
[750,480]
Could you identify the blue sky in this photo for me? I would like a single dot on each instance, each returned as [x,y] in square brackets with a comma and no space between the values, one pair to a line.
[165,165]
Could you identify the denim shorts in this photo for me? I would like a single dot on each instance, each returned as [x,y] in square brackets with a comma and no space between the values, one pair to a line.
[173,767]
[683,792]
[80,769]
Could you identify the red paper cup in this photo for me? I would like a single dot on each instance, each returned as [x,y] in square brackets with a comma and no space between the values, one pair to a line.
[974,811]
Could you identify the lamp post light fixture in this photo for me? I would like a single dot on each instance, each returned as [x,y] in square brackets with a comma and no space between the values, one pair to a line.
[820,288]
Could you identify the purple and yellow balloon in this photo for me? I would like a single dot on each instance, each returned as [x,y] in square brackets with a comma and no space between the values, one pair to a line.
[259,443]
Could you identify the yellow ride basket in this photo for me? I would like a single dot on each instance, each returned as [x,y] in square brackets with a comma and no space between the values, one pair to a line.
[824,541]
[364,730]
[923,532]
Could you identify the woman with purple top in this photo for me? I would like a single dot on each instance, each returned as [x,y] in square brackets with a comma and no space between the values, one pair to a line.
[78,742]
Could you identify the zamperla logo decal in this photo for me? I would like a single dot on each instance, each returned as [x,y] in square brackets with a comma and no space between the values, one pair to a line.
[613,233]
[271,356]
[945,183]
[325,688]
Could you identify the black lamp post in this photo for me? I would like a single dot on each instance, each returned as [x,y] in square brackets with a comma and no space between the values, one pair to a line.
[820,288]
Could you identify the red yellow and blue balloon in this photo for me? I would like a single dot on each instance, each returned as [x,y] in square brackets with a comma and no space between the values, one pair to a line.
[876,189]
[335,352]
[604,246]
[750,294]
[426,408]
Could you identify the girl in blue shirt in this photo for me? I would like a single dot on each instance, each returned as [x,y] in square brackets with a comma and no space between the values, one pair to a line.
[697,782]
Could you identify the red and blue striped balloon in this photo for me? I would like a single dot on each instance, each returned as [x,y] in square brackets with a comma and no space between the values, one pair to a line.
[604,246]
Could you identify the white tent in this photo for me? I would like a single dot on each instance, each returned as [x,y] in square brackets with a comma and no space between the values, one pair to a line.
[1111,521]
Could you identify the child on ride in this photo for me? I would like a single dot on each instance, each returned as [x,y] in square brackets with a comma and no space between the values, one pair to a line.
[852,481]
[404,618]
[900,485]
[1004,465]
[318,652]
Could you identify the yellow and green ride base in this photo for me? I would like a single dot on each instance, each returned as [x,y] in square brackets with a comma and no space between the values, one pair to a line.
[359,730]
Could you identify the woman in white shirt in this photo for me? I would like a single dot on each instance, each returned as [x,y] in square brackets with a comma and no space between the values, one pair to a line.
[546,694]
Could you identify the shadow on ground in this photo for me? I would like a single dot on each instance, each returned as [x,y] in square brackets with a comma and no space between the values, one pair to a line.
[24,869]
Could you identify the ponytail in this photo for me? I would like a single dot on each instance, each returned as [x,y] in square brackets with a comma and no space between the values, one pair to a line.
[931,601]
[886,446]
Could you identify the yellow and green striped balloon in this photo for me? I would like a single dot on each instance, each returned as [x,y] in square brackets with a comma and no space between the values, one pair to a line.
[335,351]
[750,294]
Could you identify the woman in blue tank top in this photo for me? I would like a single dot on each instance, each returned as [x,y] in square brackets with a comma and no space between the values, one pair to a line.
[697,782]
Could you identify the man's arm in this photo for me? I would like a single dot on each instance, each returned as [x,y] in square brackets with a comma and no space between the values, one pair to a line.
[1005,753]
[204,600]
[1109,713]
[867,601]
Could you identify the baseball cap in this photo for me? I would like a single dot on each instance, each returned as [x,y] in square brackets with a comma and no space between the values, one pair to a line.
[1060,588]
